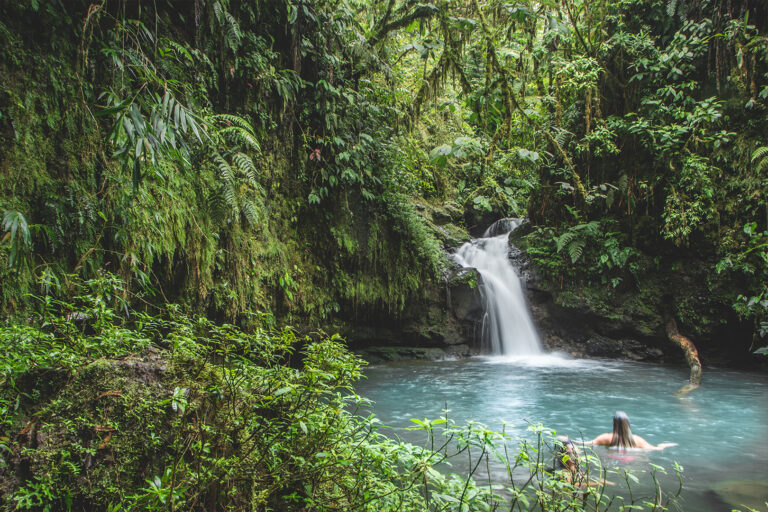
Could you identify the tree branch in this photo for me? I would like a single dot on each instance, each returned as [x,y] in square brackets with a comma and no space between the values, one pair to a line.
[691,355]
[422,11]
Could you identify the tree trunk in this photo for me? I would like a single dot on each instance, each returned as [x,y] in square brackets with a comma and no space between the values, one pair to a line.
[691,356]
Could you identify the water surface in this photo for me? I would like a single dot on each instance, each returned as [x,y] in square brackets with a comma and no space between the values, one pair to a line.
[721,428]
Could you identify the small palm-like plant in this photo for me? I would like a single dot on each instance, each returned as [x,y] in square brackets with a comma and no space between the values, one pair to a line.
[17,236]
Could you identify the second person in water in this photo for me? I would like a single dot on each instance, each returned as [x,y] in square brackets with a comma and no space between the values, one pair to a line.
[622,436]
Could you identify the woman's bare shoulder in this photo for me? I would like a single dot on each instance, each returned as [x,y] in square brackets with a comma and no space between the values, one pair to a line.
[642,443]
[602,439]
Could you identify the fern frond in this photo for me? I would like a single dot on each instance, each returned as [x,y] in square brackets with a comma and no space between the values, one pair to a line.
[565,239]
[231,119]
[238,130]
[562,136]
[672,7]
[229,192]
[231,27]
[218,10]
[233,32]
[576,248]
[245,165]
[590,228]
[180,49]
[760,158]
[241,136]
[225,170]
[251,212]
[216,206]
[622,183]
[760,153]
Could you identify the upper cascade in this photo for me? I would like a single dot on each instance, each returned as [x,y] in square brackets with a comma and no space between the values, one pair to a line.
[502,227]
[507,324]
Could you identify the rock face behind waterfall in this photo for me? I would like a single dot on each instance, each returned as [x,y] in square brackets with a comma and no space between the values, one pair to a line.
[448,322]
[567,323]
[446,325]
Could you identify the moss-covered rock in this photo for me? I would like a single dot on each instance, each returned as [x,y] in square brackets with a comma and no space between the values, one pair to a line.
[451,235]
[105,431]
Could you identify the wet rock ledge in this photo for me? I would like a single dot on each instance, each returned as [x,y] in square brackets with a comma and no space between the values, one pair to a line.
[445,326]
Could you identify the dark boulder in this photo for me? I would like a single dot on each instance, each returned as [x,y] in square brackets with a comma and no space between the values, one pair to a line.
[599,346]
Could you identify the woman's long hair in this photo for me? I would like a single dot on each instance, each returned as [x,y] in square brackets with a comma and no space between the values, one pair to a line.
[622,434]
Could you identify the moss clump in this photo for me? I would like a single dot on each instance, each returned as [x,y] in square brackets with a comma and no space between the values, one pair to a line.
[636,311]
[101,434]
[451,235]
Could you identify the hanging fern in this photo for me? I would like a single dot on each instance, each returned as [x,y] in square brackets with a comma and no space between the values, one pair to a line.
[246,166]
[226,173]
[251,211]
[576,248]
[239,186]
[236,130]
[232,33]
[591,228]
[565,239]
[760,158]
[672,7]
[562,136]
[16,234]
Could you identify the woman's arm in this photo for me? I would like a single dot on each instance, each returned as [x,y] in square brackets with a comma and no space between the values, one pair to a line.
[645,445]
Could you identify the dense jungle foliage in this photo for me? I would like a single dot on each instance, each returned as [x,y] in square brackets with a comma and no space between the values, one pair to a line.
[180,179]
[277,156]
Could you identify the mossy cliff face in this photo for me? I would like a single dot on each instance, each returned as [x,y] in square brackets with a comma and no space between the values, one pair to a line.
[304,223]
[446,324]
[445,320]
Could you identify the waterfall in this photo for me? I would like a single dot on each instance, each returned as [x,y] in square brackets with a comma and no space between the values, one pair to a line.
[507,325]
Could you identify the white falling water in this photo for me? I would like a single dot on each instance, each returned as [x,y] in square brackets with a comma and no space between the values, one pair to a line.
[507,325]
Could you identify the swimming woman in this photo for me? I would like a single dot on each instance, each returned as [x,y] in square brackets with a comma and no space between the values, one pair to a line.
[566,459]
[566,465]
[622,436]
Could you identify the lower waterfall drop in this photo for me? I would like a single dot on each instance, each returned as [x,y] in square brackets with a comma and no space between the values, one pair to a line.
[507,325]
